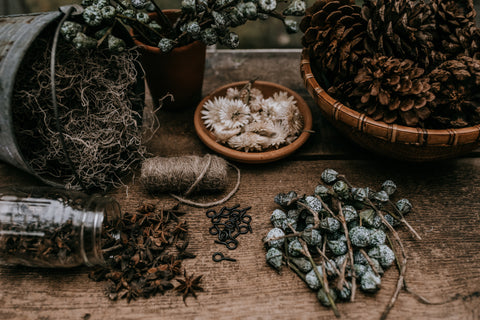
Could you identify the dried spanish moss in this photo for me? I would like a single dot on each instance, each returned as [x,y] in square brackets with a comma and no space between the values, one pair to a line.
[98,108]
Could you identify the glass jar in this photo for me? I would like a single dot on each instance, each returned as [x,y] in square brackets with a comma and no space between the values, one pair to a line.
[47,227]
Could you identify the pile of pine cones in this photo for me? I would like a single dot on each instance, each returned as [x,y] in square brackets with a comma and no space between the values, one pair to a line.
[409,62]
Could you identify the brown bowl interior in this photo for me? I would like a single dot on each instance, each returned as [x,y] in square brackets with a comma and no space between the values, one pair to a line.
[268,89]
[391,140]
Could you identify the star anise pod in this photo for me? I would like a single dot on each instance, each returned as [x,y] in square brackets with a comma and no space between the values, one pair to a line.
[189,286]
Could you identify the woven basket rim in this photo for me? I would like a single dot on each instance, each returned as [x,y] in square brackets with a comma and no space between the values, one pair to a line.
[389,132]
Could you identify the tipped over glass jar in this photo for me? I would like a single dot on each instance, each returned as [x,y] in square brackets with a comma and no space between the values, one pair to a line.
[48,227]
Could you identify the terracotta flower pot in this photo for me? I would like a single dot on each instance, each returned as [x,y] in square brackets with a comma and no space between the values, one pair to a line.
[179,72]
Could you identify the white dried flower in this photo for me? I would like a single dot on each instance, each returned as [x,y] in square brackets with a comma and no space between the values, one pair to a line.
[262,124]
[261,127]
[256,104]
[223,134]
[248,141]
[211,111]
[280,136]
[256,94]
[270,109]
[292,119]
[234,114]
[232,93]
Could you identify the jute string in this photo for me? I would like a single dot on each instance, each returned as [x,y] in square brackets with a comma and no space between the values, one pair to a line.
[186,175]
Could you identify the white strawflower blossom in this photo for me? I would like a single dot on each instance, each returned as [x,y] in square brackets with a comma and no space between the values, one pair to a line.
[261,127]
[234,114]
[292,119]
[256,94]
[265,123]
[280,136]
[211,111]
[232,93]
[223,134]
[248,141]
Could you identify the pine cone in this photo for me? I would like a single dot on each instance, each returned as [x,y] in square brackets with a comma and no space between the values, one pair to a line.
[390,90]
[455,84]
[334,32]
[400,28]
[455,32]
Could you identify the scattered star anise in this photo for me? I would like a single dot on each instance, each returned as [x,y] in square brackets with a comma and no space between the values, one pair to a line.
[189,286]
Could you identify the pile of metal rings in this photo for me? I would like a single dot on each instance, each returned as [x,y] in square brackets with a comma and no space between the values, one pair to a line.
[228,224]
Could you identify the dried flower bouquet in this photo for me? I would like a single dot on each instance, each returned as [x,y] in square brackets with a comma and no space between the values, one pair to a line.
[246,120]
[207,21]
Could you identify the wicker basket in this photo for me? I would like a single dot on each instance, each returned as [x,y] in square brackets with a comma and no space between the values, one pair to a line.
[395,141]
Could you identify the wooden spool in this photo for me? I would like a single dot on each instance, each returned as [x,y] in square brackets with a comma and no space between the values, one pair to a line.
[391,140]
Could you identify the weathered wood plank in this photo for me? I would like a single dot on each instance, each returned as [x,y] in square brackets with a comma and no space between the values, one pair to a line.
[446,262]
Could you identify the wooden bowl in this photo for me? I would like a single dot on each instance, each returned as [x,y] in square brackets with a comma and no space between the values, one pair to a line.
[268,89]
[392,140]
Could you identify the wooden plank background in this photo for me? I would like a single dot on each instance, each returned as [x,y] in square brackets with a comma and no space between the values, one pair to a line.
[444,264]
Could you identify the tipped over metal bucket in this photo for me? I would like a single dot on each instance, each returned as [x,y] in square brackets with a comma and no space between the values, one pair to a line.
[17,33]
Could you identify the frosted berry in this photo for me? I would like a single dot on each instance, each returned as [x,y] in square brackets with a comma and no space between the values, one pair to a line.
[108,13]
[267,5]
[82,41]
[70,29]
[274,258]
[312,237]
[302,263]
[337,247]
[404,206]
[296,8]
[285,200]
[277,218]
[140,4]
[323,297]
[383,254]
[322,192]
[370,282]
[345,293]
[166,45]
[115,44]
[273,234]
[329,176]
[330,224]
[143,17]
[341,189]
[377,237]
[92,16]
[295,248]
[381,196]
[389,187]
[312,280]
[360,236]
[349,213]
[313,203]
[209,36]
[359,194]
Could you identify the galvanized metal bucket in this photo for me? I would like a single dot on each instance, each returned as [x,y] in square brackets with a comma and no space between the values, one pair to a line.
[17,33]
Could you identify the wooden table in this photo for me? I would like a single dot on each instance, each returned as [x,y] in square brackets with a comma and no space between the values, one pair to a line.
[444,264]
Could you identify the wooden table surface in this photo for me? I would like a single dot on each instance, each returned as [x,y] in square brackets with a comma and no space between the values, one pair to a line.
[444,264]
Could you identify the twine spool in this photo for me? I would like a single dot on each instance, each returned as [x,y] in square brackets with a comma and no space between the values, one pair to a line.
[186,175]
